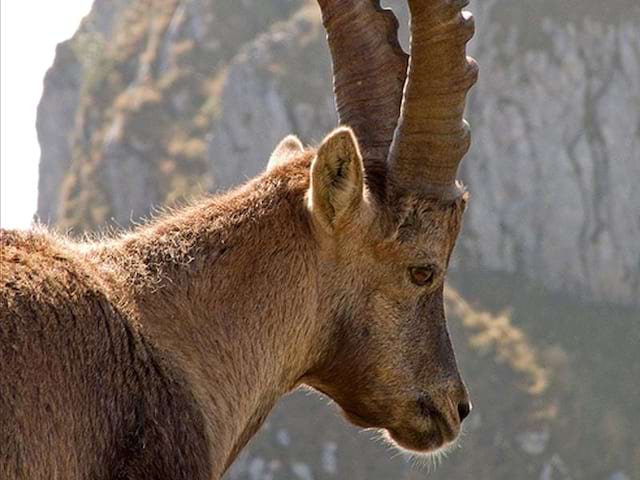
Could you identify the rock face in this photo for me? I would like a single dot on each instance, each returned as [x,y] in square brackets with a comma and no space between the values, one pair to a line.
[556,152]
[154,101]
[260,104]
[146,105]
[56,113]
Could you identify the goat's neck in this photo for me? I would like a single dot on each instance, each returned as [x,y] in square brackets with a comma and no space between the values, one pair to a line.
[227,290]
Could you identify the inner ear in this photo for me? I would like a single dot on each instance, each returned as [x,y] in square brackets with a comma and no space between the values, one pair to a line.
[288,148]
[336,179]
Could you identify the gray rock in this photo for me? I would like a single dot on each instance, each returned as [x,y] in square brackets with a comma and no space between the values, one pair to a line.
[556,121]
[257,110]
[54,123]
[556,154]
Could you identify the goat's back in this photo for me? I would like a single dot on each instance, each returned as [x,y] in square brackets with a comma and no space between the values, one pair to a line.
[83,394]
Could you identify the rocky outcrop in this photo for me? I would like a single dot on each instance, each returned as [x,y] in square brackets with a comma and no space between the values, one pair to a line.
[145,106]
[55,119]
[556,154]
[261,101]
[163,99]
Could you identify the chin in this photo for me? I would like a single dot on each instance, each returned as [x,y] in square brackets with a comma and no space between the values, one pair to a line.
[421,443]
[427,442]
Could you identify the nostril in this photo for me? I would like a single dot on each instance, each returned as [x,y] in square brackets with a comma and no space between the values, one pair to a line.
[464,409]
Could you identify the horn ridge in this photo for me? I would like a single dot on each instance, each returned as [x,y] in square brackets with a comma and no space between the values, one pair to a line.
[369,68]
[432,137]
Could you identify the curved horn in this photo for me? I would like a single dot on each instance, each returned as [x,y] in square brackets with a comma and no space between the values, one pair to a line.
[432,137]
[369,73]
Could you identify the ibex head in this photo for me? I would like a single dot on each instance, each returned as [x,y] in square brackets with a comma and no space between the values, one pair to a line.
[386,210]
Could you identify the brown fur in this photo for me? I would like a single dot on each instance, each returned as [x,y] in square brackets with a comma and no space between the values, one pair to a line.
[159,353]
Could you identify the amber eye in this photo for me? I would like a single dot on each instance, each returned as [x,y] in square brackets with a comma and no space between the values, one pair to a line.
[422,275]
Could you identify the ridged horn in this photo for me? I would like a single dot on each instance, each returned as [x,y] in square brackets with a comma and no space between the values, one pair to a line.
[432,137]
[369,69]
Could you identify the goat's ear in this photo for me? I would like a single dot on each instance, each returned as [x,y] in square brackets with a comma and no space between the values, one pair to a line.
[337,179]
[288,148]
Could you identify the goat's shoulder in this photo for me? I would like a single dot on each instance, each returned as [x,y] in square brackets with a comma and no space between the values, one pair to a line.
[44,268]
[62,333]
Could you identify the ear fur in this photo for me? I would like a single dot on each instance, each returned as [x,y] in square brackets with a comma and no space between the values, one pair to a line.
[337,179]
[288,148]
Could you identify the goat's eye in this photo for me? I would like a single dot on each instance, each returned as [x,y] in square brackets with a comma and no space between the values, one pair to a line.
[422,276]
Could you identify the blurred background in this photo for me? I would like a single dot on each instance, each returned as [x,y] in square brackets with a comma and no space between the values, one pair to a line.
[153,102]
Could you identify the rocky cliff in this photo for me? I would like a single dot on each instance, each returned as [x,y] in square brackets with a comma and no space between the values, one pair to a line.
[154,101]
[557,145]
